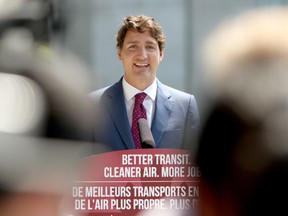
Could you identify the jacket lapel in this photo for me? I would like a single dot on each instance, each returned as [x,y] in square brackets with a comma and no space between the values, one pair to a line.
[162,114]
[114,98]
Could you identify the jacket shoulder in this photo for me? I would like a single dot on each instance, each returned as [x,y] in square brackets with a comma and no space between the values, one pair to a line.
[176,93]
[99,92]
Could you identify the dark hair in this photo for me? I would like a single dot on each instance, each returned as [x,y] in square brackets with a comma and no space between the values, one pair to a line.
[141,23]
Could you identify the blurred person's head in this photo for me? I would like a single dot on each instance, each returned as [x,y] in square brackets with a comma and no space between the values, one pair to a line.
[256,37]
[140,43]
[244,137]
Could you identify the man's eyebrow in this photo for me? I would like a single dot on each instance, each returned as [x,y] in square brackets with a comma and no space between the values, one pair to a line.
[132,42]
[151,42]
[136,41]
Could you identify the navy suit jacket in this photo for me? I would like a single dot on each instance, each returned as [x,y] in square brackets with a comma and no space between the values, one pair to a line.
[176,118]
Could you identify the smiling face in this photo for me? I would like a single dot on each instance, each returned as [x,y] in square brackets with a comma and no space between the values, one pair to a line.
[140,56]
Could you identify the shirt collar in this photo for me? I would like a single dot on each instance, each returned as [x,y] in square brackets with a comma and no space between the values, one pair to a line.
[130,91]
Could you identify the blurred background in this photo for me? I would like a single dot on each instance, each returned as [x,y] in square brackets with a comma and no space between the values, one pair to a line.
[92,25]
[88,29]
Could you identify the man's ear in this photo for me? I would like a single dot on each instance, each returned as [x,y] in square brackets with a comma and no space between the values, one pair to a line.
[161,55]
[119,53]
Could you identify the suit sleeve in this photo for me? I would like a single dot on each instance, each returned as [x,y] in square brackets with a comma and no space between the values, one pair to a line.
[192,125]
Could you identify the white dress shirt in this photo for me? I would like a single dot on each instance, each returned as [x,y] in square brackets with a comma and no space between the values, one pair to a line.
[149,102]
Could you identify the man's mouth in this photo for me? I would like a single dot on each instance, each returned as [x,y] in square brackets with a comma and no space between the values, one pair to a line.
[141,65]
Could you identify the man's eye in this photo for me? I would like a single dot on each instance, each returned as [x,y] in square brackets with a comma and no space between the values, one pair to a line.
[151,47]
[132,47]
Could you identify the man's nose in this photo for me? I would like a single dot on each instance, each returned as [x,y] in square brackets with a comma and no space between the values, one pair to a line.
[142,53]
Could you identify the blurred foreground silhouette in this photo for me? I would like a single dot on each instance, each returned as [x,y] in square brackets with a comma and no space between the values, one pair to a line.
[243,145]
[45,113]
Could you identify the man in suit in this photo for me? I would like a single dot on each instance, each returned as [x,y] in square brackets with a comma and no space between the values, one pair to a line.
[172,115]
